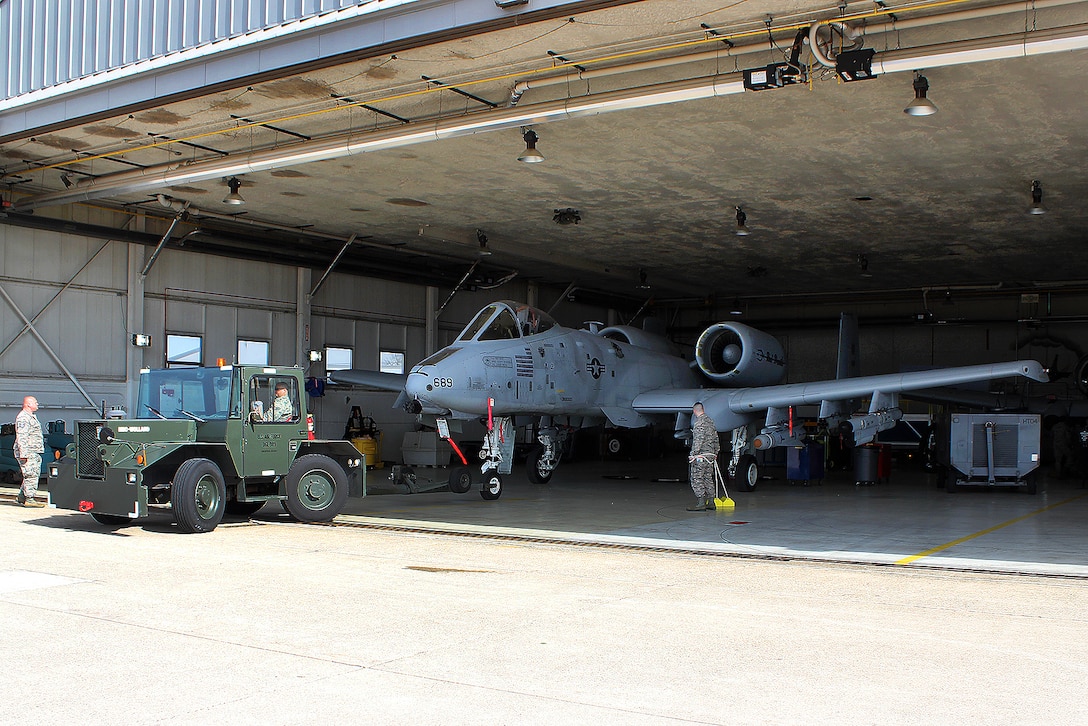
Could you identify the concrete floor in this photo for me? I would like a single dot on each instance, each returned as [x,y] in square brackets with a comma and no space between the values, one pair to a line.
[908,521]
[279,623]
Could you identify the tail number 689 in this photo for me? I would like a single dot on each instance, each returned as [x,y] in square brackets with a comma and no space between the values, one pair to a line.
[442,383]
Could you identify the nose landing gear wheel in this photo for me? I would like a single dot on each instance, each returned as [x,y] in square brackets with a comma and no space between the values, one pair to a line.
[492,488]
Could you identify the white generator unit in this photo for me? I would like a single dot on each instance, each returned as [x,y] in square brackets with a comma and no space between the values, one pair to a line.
[994,449]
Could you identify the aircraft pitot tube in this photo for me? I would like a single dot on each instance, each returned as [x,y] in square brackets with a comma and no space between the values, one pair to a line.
[734,354]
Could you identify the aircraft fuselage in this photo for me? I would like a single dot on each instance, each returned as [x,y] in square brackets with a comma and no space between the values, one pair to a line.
[560,371]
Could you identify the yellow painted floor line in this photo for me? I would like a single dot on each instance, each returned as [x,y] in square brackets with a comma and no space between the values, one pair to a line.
[946,545]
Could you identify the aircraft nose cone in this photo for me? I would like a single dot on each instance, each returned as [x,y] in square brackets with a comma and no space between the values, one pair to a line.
[417,385]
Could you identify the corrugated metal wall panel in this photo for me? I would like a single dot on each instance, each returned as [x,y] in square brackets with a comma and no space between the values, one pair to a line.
[48,42]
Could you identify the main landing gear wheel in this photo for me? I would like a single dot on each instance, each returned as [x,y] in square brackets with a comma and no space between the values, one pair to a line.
[536,473]
[317,488]
[492,488]
[199,496]
[460,479]
[747,473]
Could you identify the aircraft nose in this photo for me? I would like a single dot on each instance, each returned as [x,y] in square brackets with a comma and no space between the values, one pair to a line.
[417,384]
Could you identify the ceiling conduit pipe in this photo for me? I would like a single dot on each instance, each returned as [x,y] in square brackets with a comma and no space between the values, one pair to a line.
[888,25]
[854,34]
[847,31]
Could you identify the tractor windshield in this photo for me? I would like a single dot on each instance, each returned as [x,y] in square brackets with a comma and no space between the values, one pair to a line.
[203,392]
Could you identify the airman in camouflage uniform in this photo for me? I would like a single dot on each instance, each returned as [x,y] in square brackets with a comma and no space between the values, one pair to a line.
[28,449]
[282,409]
[701,460]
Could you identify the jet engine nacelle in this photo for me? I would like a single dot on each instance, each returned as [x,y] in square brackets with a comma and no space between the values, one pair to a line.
[735,354]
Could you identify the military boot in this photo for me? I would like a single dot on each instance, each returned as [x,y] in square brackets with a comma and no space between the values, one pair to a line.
[33,503]
[710,506]
[20,497]
[699,506]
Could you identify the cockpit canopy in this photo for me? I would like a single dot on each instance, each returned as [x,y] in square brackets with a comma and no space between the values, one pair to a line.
[507,320]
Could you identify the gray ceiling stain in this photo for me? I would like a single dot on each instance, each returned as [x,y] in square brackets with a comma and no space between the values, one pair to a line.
[62,142]
[358,209]
[292,194]
[112,132]
[21,154]
[188,191]
[294,89]
[232,104]
[403,202]
[380,73]
[289,174]
[161,117]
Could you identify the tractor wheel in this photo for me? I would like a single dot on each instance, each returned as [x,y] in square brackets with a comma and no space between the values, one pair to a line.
[199,496]
[317,488]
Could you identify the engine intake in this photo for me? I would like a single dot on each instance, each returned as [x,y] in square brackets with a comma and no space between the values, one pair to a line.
[738,355]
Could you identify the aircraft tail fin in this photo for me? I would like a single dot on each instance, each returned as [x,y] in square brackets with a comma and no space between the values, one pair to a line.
[849,363]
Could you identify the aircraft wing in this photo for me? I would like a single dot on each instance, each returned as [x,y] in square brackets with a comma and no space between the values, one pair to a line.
[731,407]
[370,379]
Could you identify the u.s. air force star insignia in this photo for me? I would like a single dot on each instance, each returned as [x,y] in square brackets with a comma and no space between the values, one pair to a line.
[595,368]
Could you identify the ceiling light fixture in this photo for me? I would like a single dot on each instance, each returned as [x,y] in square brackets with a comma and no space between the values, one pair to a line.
[570,215]
[855,65]
[234,198]
[642,284]
[484,250]
[863,263]
[736,309]
[530,155]
[742,227]
[1036,198]
[920,106]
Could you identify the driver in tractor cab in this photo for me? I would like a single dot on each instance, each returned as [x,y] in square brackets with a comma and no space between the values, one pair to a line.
[281,410]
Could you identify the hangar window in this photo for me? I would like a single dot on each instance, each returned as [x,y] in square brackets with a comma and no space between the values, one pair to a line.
[184,350]
[252,353]
[391,362]
[337,359]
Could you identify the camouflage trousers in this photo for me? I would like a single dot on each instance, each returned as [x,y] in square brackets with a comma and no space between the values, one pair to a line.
[701,476]
[32,469]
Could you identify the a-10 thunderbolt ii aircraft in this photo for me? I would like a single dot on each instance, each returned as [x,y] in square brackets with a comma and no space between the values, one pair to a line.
[513,360]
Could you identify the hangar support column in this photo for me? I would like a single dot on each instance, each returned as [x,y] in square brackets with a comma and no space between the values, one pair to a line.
[134,323]
[430,324]
[303,298]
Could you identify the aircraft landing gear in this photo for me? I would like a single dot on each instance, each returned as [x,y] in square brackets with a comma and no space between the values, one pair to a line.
[543,460]
[460,480]
[743,467]
[492,488]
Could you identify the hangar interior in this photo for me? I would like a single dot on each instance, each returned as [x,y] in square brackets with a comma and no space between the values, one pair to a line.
[345,178]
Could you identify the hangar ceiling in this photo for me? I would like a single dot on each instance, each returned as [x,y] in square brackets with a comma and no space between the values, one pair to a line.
[843,192]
